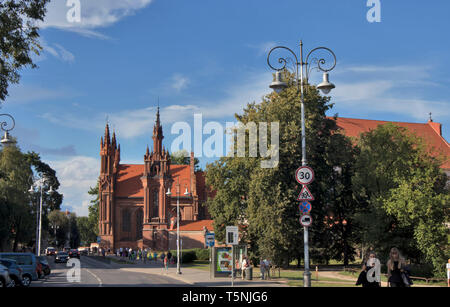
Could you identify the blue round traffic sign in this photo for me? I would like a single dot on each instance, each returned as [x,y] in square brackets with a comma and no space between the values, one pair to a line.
[305,207]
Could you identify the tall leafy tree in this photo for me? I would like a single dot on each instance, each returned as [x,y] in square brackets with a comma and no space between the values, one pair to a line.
[93,210]
[403,193]
[87,230]
[18,38]
[265,199]
[16,214]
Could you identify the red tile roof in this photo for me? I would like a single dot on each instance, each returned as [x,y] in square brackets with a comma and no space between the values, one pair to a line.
[430,132]
[129,182]
[195,226]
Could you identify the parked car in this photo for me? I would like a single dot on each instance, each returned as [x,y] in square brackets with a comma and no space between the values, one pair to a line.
[45,266]
[27,262]
[74,253]
[15,272]
[50,251]
[5,280]
[61,257]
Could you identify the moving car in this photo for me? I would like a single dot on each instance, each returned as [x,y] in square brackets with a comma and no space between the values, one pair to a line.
[27,262]
[61,257]
[45,266]
[50,251]
[15,272]
[74,253]
[4,276]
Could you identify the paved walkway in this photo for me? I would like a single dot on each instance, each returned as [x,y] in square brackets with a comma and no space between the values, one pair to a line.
[193,276]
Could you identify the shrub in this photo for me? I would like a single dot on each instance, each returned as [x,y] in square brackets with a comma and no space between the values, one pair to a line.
[202,253]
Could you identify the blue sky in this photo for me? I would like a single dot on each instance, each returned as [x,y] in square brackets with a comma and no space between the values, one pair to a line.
[209,57]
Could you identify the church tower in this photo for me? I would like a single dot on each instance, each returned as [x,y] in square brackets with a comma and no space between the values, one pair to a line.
[155,181]
[110,159]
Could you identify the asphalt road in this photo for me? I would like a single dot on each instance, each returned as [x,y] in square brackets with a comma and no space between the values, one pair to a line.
[94,273]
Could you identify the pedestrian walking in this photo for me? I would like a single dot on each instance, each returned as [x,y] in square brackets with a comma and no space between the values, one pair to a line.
[370,279]
[398,273]
[166,263]
[162,258]
[267,268]
[262,268]
[244,266]
[144,255]
[169,256]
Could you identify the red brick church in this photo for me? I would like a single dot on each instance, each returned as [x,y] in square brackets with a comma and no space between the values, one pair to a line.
[134,208]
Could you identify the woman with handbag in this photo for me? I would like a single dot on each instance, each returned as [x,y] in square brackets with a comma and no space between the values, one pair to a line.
[397,270]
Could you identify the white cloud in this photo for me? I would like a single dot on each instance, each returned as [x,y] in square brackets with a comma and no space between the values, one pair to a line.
[76,175]
[179,82]
[94,14]
[388,89]
[57,51]
[136,122]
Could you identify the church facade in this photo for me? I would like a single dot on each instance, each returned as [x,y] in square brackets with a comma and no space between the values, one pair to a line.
[135,208]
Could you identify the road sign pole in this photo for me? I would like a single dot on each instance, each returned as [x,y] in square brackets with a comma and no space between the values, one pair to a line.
[306,273]
[232,265]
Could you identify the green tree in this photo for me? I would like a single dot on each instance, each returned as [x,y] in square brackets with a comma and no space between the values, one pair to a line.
[397,182]
[182,157]
[59,220]
[93,210]
[263,201]
[16,214]
[421,201]
[19,38]
[87,230]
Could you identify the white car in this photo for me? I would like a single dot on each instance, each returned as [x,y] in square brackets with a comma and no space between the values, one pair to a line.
[4,276]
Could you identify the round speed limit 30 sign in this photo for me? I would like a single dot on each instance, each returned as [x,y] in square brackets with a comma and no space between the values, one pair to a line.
[304,175]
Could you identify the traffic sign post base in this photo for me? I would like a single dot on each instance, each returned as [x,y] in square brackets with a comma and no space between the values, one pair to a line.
[307,279]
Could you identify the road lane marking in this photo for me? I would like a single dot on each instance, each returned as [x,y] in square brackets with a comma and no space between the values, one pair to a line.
[100,284]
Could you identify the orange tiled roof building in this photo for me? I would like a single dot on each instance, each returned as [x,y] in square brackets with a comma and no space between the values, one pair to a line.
[134,209]
[430,132]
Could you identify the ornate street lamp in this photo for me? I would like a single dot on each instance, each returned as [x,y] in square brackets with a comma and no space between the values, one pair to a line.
[6,139]
[39,182]
[301,71]
[186,193]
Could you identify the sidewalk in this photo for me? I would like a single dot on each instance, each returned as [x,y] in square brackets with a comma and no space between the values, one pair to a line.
[191,276]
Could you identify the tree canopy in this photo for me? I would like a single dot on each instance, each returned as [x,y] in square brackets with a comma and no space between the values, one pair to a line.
[18,38]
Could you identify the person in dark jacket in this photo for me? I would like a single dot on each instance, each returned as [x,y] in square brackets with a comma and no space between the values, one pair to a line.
[398,273]
[373,280]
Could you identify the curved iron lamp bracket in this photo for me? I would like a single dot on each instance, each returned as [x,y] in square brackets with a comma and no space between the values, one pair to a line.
[4,124]
[317,63]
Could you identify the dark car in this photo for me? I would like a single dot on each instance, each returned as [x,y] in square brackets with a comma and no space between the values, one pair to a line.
[45,266]
[62,257]
[15,272]
[50,251]
[74,253]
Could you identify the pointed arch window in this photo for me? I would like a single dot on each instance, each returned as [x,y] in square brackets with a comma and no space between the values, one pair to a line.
[155,203]
[139,224]
[126,220]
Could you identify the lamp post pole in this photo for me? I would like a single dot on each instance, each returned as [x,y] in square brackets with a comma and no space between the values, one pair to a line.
[178,227]
[40,182]
[186,193]
[300,79]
